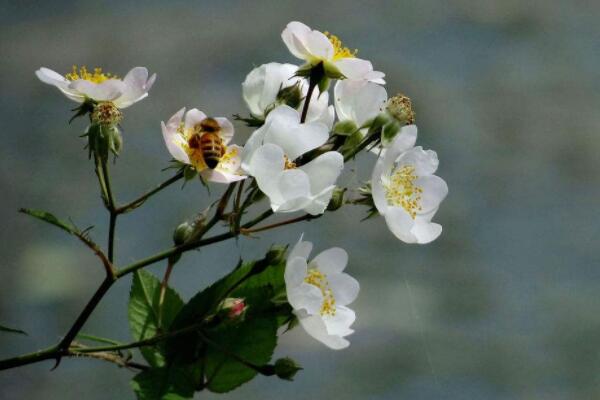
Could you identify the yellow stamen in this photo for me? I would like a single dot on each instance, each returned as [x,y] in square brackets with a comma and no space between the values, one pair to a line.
[317,278]
[401,190]
[339,51]
[289,164]
[82,73]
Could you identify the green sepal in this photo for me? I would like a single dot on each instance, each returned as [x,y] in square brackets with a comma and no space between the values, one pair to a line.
[345,128]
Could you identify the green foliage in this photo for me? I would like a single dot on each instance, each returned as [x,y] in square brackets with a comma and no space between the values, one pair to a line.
[51,219]
[145,319]
[12,330]
[167,383]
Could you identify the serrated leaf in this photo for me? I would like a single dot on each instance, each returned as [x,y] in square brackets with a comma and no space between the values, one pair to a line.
[252,340]
[168,383]
[51,219]
[143,312]
[12,330]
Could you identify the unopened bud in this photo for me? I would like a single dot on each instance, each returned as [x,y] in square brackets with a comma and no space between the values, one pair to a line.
[182,233]
[291,96]
[233,308]
[345,128]
[286,368]
[337,199]
[106,113]
[400,107]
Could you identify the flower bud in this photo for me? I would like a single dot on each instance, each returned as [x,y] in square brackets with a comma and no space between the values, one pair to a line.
[106,113]
[400,107]
[291,96]
[337,199]
[286,368]
[389,132]
[233,308]
[345,128]
[182,233]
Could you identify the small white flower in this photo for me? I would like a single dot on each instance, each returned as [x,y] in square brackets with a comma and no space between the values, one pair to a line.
[203,143]
[315,47]
[319,292]
[270,154]
[261,86]
[406,192]
[81,84]
[359,102]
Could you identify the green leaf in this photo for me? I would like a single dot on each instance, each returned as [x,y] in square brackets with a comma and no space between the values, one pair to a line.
[253,340]
[168,383]
[12,330]
[51,219]
[143,313]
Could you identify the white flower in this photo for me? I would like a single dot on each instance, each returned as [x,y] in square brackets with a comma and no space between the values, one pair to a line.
[315,47]
[263,83]
[359,102]
[319,292]
[203,143]
[81,84]
[406,192]
[270,155]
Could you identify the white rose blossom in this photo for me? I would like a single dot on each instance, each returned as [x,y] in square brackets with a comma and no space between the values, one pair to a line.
[80,85]
[319,292]
[183,135]
[315,47]
[261,86]
[359,102]
[405,191]
[270,154]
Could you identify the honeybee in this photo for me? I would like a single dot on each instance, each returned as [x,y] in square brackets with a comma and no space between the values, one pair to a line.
[207,141]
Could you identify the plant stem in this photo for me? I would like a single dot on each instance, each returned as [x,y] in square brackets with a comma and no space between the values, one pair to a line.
[65,343]
[189,246]
[163,290]
[316,74]
[41,355]
[140,200]
[306,217]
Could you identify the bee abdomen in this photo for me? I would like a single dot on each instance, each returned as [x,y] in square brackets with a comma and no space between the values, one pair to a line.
[212,149]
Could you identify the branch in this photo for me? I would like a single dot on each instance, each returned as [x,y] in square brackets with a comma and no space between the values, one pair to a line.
[142,199]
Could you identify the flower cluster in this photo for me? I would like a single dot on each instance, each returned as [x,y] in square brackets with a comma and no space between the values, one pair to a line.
[300,142]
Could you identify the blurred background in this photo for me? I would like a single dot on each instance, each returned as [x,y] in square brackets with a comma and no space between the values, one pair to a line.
[504,305]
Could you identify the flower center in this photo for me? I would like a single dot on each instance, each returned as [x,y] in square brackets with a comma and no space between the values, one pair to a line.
[96,77]
[339,51]
[401,190]
[289,164]
[317,278]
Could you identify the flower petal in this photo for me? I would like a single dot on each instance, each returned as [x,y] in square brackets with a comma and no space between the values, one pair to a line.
[434,189]
[173,139]
[359,101]
[193,117]
[293,36]
[425,231]
[301,249]
[330,261]
[324,170]
[339,324]
[354,68]
[400,224]
[108,90]
[315,327]
[344,287]
[226,129]
[294,138]
[305,297]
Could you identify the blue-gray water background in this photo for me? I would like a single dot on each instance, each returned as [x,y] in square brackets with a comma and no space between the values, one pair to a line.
[505,305]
